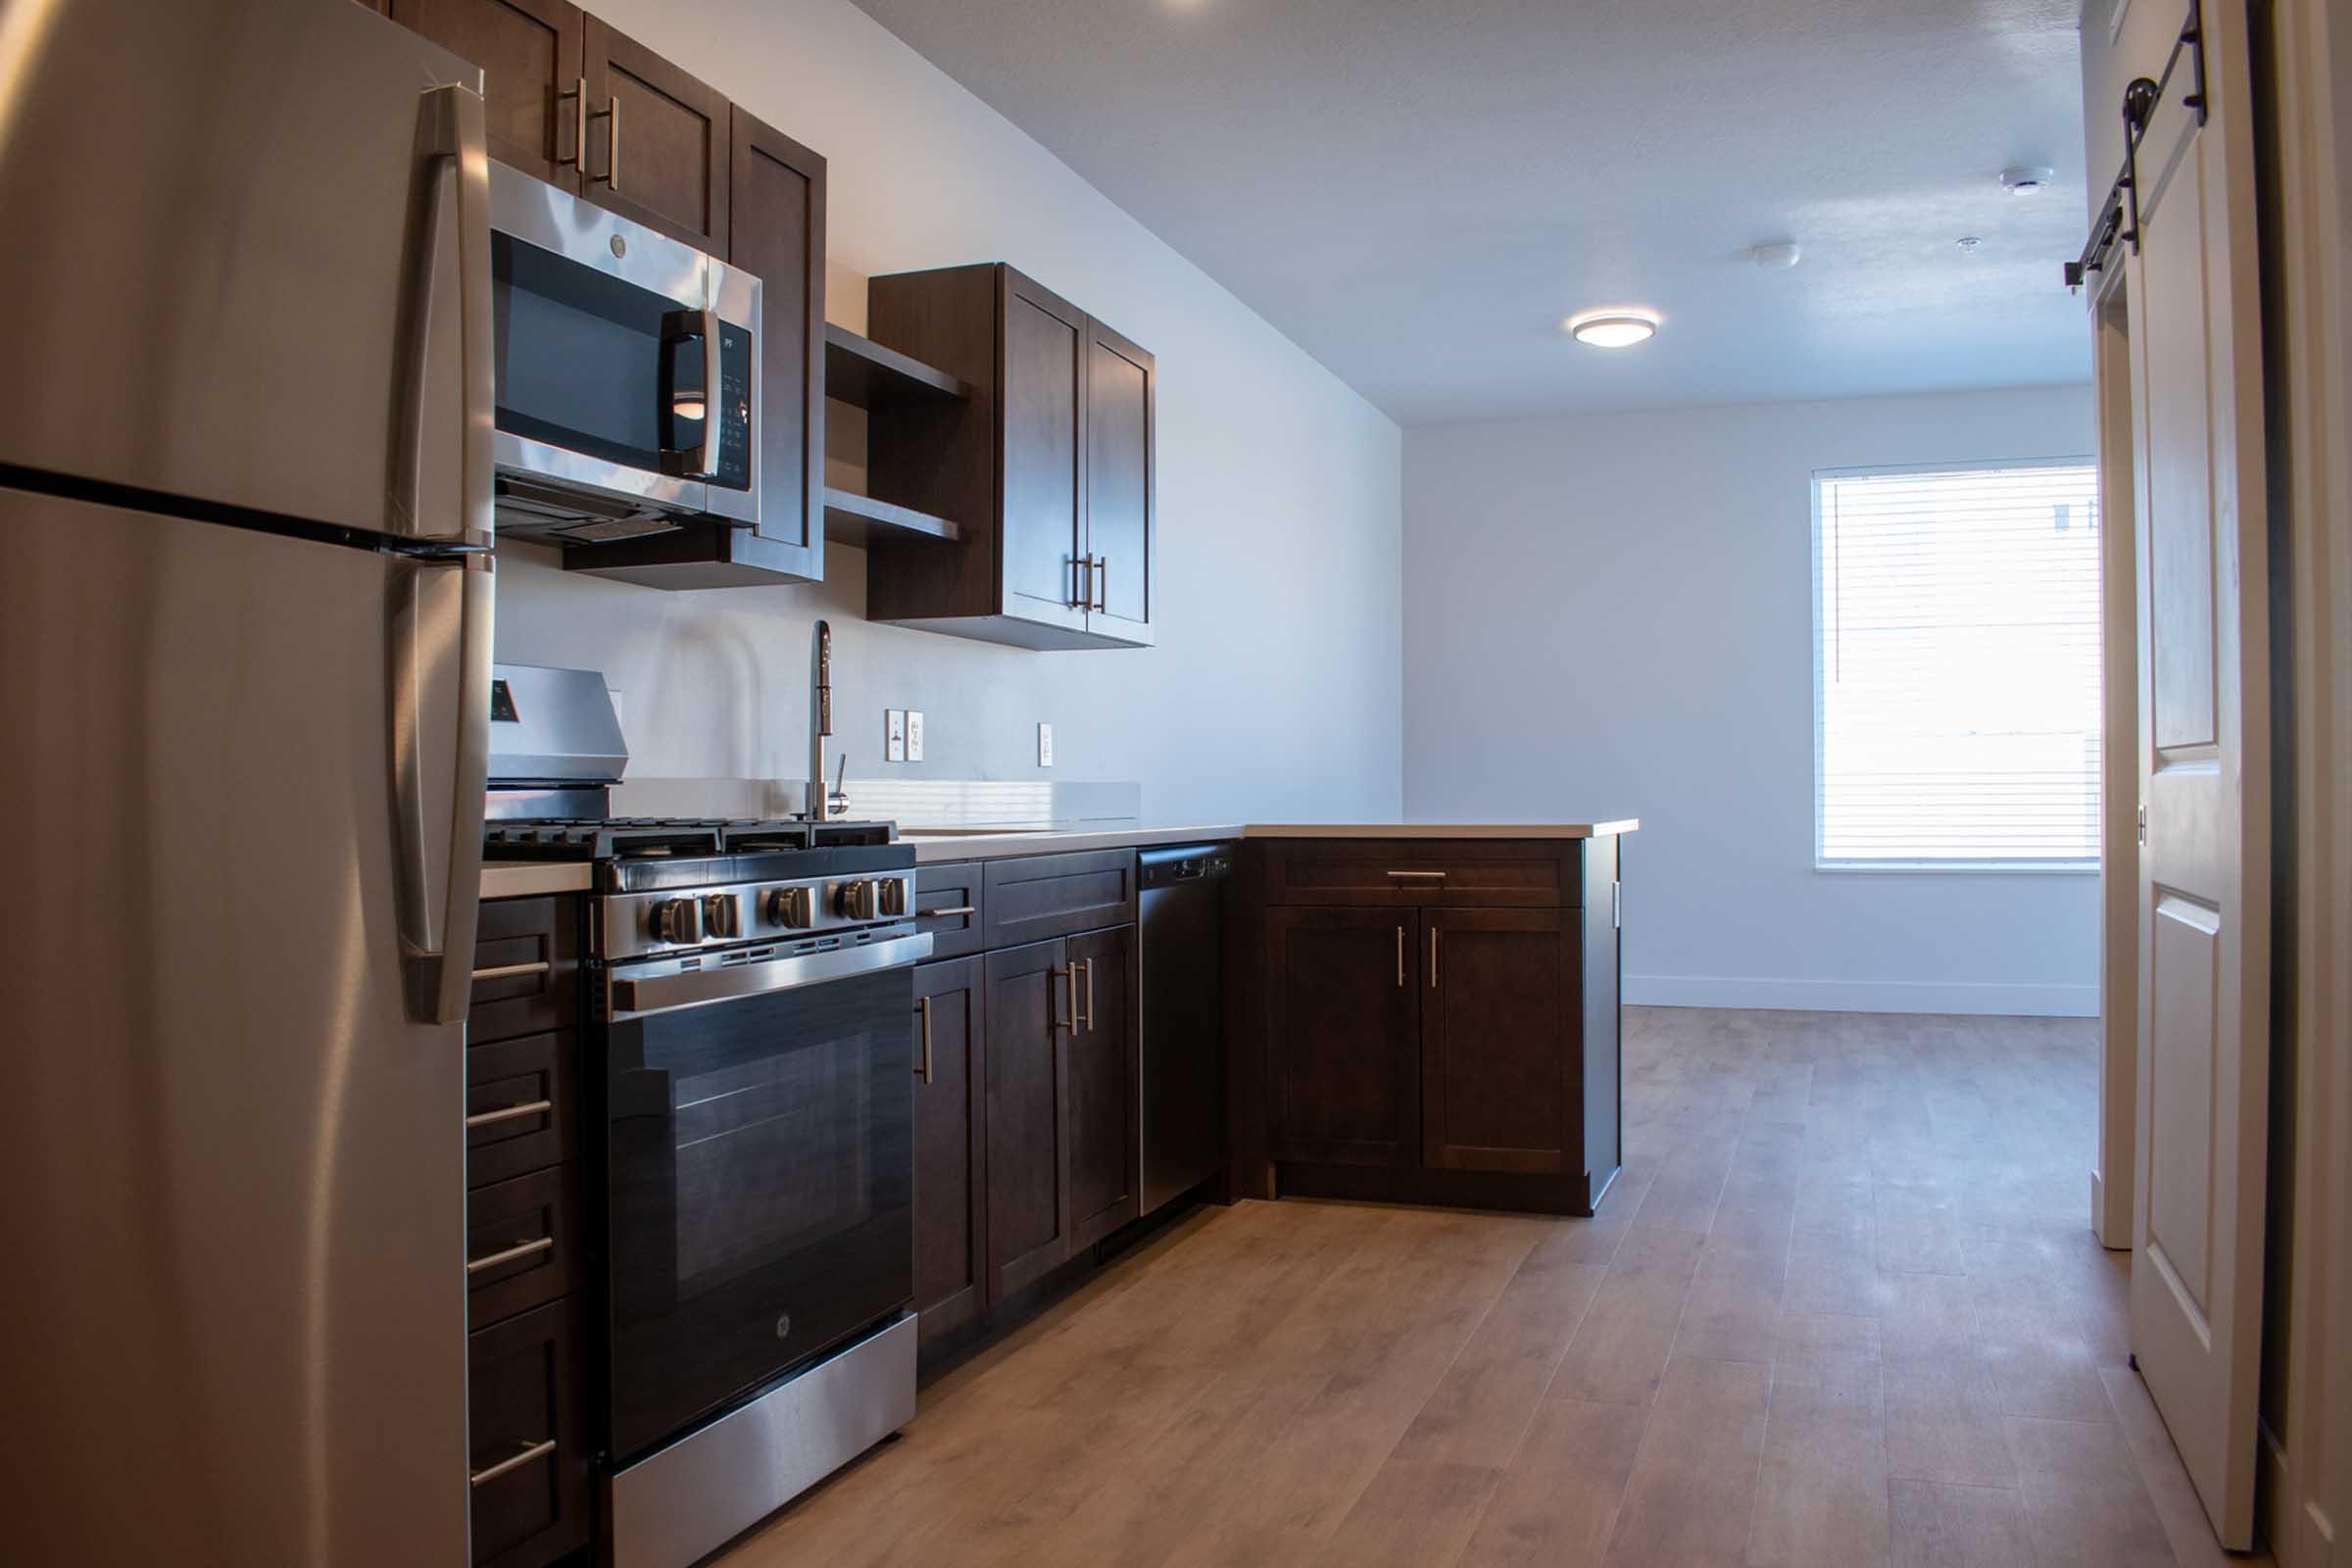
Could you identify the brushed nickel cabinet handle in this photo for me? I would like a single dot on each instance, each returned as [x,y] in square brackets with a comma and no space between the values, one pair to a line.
[1083,1019]
[491,1119]
[579,124]
[1433,958]
[513,1461]
[1102,581]
[610,115]
[1400,957]
[544,1243]
[922,1004]
[510,971]
[1417,876]
[940,914]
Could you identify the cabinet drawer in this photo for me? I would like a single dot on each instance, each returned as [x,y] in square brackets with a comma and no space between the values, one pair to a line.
[948,904]
[523,1244]
[521,1107]
[527,959]
[1414,872]
[1035,897]
[528,1459]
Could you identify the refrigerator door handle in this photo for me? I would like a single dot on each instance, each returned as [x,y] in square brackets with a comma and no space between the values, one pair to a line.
[437,935]
[450,135]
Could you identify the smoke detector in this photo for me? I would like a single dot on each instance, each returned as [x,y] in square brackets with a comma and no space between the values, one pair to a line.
[2026,179]
[1781,254]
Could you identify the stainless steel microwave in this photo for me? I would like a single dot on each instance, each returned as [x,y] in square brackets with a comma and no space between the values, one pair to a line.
[611,340]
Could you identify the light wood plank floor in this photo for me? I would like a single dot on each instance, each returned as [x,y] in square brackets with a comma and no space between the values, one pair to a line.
[1842,1307]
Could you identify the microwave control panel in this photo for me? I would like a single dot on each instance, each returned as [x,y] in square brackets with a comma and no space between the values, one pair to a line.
[735,348]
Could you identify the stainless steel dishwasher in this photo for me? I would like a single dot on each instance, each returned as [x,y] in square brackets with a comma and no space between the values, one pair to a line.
[1182,1016]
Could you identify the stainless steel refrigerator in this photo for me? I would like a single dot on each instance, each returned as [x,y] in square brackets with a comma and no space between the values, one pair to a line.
[245,509]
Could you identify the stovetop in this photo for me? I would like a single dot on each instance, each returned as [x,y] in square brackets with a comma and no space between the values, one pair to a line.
[667,838]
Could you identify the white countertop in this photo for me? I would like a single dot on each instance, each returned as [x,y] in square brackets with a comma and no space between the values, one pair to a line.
[521,879]
[531,879]
[1054,841]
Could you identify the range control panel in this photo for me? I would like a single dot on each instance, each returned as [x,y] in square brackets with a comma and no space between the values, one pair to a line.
[689,918]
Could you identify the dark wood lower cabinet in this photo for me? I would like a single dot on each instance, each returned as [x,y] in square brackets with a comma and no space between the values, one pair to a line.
[1106,1175]
[1498,1017]
[528,1462]
[950,1151]
[1421,1046]
[1028,1006]
[1343,1058]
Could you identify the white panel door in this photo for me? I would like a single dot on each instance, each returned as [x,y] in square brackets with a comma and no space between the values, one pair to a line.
[2204,740]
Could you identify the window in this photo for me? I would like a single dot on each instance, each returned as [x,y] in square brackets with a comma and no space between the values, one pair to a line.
[1956,667]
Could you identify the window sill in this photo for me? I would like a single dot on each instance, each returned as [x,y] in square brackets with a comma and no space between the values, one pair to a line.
[1959,867]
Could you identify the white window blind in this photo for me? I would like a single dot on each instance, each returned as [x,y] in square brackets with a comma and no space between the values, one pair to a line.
[1956,697]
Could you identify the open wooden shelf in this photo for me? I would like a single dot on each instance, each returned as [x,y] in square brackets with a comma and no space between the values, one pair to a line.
[861,371]
[860,521]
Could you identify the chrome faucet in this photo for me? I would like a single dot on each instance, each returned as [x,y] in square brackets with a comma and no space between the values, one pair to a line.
[821,802]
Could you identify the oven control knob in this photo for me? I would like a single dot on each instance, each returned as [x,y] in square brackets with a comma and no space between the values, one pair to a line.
[854,901]
[893,895]
[722,914]
[792,906]
[678,920]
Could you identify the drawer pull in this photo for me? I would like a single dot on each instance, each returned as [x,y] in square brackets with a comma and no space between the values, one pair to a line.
[542,1244]
[1418,876]
[509,971]
[491,1119]
[513,1462]
[940,914]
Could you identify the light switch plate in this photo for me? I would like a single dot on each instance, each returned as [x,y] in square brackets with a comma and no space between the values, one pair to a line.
[894,734]
[1044,746]
[914,734]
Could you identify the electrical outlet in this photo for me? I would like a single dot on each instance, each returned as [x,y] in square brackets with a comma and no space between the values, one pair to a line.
[894,734]
[914,734]
[1044,746]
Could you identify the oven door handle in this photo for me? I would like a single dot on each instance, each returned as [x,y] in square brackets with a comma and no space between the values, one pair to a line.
[637,996]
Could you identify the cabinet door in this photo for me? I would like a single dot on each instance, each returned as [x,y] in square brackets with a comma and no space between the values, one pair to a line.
[1105,1150]
[658,141]
[527,1420]
[950,1147]
[530,54]
[1342,1048]
[1500,1026]
[776,232]
[1121,500]
[1027,1060]
[1043,415]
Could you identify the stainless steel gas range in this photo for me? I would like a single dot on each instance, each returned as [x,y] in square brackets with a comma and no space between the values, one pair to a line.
[750,1106]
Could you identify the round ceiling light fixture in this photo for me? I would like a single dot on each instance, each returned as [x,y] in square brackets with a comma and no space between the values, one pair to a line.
[1612,330]
[2027,179]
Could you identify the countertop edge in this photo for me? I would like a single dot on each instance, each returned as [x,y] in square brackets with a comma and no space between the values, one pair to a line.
[1006,846]
[529,879]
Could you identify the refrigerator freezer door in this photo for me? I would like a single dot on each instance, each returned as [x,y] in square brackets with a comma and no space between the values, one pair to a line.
[234,239]
[232,1327]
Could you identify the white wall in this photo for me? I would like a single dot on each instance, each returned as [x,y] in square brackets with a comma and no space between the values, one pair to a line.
[1612,615]
[1274,690]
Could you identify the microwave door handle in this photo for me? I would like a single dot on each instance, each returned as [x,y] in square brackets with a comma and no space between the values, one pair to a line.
[713,368]
[450,135]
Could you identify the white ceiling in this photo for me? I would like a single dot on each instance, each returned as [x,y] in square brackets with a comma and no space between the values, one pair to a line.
[1417,191]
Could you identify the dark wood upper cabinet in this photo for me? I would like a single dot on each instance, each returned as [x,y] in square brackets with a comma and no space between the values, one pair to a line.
[1013,466]
[658,141]
[1105,1148]
[1122,508]
[1027,1006]
[1343,1053]
[950,1147]
[530,53]
[1500,1021]
[776,232]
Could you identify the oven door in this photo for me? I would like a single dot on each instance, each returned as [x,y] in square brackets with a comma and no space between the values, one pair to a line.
[758,1169]
[610,340]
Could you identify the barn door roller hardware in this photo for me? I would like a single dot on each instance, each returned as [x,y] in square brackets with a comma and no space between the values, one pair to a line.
[2118,213]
